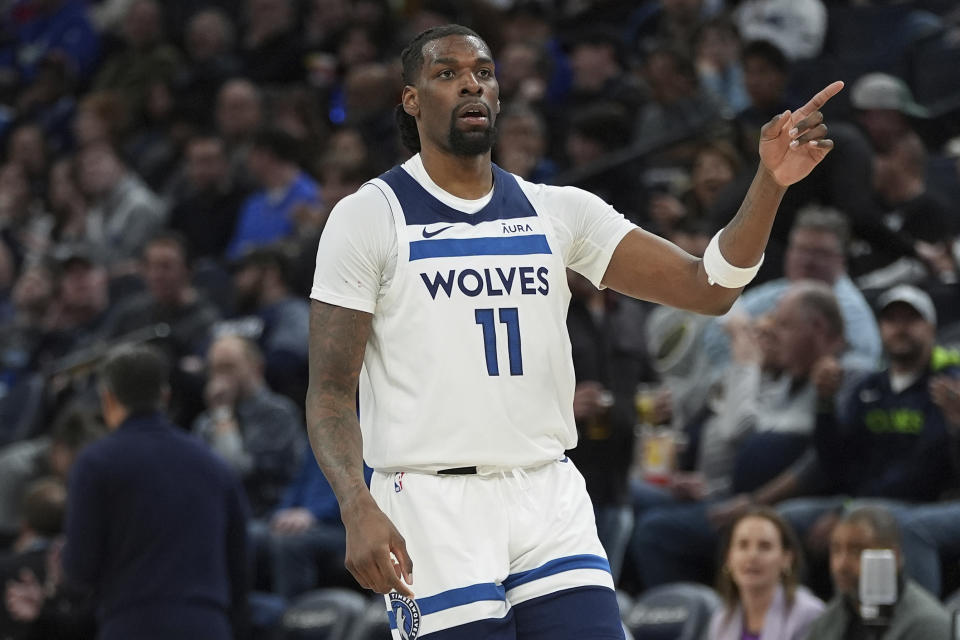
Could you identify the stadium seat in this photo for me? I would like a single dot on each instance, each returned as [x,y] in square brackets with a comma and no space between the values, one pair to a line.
[373,623]
[679,611]
[324,614]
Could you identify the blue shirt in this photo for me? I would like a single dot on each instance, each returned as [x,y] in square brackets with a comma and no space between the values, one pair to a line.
[67,31]
[263,220]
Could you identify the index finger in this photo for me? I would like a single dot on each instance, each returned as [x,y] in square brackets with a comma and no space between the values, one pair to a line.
[817,101]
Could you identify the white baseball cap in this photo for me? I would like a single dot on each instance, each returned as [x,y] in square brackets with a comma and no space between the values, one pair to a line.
[910,295]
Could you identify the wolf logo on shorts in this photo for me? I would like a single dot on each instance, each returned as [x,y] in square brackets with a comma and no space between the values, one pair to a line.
[407,614]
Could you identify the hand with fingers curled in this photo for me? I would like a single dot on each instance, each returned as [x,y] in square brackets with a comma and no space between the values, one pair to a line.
[945,391]
[794,142]
[376,552]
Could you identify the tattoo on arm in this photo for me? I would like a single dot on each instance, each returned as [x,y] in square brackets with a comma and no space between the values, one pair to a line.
[338,337]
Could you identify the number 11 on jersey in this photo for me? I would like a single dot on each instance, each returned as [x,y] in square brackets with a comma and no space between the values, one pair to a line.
[510,318]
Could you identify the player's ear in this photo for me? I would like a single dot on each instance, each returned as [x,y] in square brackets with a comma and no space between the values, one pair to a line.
[410,101]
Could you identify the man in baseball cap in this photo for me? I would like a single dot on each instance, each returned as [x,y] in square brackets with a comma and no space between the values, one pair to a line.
[916,299]
[885,106]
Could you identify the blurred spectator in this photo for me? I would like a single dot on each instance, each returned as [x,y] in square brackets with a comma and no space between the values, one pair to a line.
[153,150]
[258,432]
[271,48]
[102,116]
[24,462]
[523,71]
[759,582]
[171,300]
[49,27]
[239,116]
[27,147]
[304,538]
[325,19]
[888,439]
[915,615]
[49,101]
[370,92]
[715,165]
[145,58]
[595,131]
[124,213]
[209,46]
[609,360]
[206,203]
[717,50]
[815,252]
[271,315]
[667,22]
[267,215]
[522,144]
[82,298]
[188,535]
[679,105]
[67,203]
[765,74]
[24,225]
[797,26]
[599,64]
[884,107]
[31,302]
[920,223]
[37,547]
[678,541]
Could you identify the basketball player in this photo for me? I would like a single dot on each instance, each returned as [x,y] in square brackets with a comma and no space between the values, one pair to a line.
[440,286]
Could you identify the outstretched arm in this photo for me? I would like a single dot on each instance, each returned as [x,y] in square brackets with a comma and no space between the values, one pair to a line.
[338,337]
[651,268]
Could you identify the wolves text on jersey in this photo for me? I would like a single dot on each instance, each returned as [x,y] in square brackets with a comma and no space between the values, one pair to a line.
[492,282]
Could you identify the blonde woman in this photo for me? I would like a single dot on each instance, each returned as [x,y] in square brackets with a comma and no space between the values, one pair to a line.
[758,583]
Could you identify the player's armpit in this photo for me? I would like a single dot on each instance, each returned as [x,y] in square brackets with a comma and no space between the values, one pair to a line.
[648,267]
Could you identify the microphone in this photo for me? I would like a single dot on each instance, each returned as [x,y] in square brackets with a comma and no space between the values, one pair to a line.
[878,586]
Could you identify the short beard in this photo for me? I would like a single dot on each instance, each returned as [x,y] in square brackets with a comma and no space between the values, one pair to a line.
[471,143]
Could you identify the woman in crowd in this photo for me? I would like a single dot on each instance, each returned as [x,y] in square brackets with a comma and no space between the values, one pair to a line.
[758,583]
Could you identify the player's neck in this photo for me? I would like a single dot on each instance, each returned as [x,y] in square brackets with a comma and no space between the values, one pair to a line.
[467,177]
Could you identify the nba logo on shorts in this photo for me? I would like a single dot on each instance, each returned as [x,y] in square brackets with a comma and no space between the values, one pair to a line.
[398,482]
[407,614]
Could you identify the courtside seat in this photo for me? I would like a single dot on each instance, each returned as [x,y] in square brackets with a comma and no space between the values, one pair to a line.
[324,614]
[678,611]
[372,623]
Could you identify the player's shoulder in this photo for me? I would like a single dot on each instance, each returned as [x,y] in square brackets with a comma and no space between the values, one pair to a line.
[558,198]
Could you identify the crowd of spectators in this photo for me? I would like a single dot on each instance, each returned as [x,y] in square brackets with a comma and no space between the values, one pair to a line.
[167,169]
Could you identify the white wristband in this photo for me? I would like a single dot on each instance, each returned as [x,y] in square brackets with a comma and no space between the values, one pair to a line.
[721,272]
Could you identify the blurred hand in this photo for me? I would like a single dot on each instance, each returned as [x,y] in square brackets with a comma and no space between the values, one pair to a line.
[744,341]
[590,399]
[722,514]
[936,257]
[662,405]
[688,485]
[827,376]
[24,597]
[945,392]
[793,143]
[666,210]
[292,521]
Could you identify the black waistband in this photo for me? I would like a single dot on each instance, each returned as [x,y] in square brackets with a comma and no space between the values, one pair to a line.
[458,471]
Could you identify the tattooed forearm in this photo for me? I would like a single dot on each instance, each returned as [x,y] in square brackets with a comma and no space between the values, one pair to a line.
[337,340]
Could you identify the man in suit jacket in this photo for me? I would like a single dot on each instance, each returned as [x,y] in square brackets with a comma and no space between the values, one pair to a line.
[155,521]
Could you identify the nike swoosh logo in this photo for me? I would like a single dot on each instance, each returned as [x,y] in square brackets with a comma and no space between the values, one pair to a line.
[430,234]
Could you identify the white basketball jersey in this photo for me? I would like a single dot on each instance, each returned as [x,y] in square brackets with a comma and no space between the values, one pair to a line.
[469,360]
